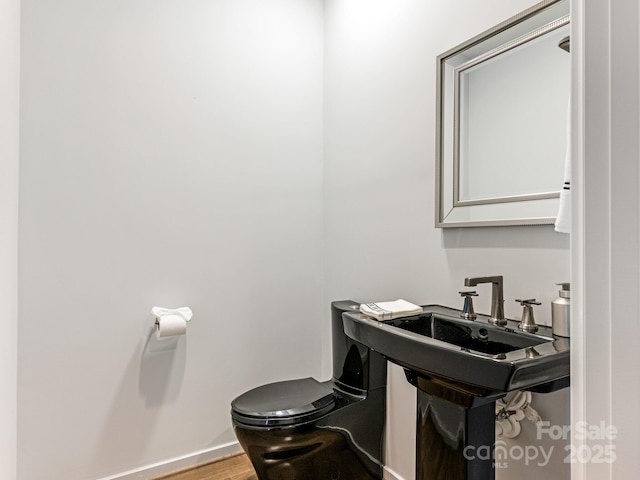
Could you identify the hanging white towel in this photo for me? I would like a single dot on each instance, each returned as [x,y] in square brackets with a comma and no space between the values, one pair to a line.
[563,220]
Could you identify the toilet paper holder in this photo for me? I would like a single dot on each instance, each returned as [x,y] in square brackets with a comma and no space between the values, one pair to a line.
[171,322]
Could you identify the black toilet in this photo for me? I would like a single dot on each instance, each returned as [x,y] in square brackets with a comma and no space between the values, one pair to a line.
[308,430]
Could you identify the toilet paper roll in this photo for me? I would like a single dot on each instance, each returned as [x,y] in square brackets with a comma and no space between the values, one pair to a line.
[170,326]
[171,322]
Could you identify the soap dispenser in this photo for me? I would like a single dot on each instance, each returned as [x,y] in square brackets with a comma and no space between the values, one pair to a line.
[561,312]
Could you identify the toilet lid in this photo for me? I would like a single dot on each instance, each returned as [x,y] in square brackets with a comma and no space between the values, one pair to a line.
[283,403]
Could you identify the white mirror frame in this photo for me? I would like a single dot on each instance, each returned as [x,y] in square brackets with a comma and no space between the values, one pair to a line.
[531,209]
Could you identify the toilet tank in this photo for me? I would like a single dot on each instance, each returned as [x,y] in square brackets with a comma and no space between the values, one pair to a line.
[356,368]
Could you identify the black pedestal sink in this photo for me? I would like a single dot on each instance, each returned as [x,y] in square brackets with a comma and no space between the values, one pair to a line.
[460,367]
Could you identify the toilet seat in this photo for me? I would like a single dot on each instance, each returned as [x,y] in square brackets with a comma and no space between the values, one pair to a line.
[283,403]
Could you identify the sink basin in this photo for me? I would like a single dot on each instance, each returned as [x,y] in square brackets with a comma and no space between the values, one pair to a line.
[476,356]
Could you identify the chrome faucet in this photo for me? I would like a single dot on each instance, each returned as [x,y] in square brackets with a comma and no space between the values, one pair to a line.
[497,297]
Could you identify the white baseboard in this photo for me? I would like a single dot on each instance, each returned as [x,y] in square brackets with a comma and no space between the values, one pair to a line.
[390,474]
[198,458]
[178,463]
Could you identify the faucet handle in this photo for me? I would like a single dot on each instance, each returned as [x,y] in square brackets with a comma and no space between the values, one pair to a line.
[528,301]
[527,323]
[471,293]
[467,309]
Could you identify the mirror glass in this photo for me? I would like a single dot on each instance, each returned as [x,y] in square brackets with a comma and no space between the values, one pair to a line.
[503,101]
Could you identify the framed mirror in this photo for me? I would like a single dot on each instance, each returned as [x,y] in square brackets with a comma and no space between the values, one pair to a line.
[503,103]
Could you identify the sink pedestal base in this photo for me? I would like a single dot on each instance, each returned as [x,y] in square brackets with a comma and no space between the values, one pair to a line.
[455,433]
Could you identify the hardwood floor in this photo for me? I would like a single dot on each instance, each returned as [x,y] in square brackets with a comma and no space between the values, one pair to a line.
[235,467]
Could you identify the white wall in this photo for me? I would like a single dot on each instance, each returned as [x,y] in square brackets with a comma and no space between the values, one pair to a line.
[380,242]
[606,225]
[9,148]
[171,155]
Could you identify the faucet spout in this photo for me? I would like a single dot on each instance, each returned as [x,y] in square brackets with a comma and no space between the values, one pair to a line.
[497,296]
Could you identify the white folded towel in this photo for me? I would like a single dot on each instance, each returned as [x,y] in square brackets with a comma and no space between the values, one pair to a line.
[563,220]
[390,310]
